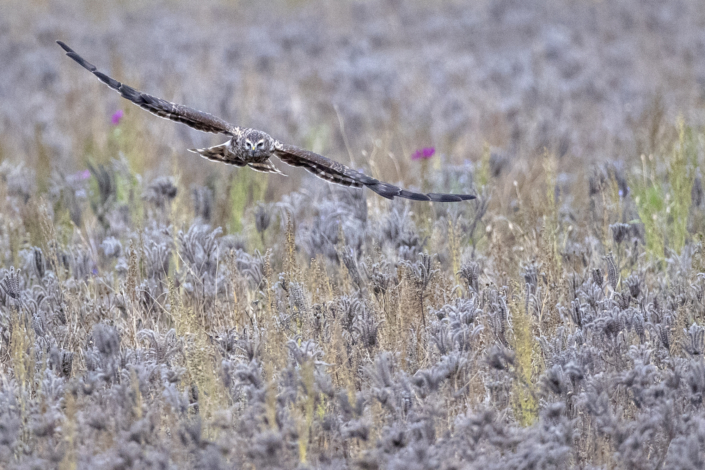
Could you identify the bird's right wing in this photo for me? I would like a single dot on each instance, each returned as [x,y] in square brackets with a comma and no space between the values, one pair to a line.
[176,112]
[338,173]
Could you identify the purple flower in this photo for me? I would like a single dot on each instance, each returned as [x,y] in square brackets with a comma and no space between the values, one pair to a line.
[424,153]
[116,117]
[82,175]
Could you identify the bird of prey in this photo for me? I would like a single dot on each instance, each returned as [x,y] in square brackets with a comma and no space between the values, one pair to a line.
[254,148]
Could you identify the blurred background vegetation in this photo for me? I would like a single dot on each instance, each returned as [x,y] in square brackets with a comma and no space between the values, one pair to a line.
[364,82]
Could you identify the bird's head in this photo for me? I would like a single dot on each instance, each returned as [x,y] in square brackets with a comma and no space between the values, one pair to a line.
[257,144]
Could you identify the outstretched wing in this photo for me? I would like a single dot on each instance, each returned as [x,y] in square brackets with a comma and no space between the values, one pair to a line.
[338,173]
[191,117]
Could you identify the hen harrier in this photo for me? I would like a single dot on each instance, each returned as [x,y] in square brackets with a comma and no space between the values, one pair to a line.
[254,148]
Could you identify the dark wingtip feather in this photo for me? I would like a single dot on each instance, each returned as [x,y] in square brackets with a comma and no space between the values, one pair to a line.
[383,190]
[390,191]
[81,61]
[413,196]
[111,82]
[450,197]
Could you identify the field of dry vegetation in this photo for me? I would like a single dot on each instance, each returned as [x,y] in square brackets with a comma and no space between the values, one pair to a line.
[161,311]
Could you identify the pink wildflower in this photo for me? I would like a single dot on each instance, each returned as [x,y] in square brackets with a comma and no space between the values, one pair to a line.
[424,153]
[116,117]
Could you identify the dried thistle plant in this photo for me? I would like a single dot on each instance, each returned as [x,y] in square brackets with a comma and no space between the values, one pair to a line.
[157,312]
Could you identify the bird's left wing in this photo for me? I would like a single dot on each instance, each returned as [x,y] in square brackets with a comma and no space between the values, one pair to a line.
[176,112]
[338,173]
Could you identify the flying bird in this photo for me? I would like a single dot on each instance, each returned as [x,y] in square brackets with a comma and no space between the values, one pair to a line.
[254,148]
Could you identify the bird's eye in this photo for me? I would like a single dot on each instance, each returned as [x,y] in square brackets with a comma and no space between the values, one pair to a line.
[260,144]
[248,144]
